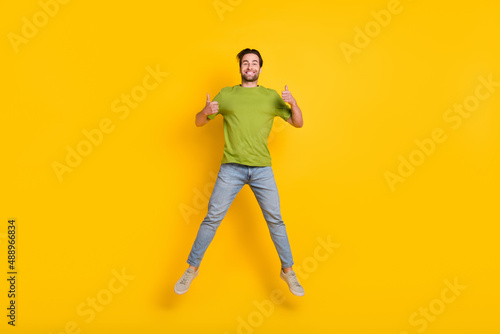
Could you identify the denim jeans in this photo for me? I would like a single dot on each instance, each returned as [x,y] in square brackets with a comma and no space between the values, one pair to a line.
[230,179]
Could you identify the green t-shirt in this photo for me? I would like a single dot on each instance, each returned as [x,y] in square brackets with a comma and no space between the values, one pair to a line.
[248,114]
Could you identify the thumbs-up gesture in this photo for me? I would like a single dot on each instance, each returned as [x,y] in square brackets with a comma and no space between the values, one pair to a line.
[287,96]
[211,107]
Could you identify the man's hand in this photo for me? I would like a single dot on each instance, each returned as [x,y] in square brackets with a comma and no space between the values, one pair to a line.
[211,107]
[287,96]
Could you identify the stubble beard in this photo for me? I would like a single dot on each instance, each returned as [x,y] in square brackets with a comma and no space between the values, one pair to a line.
[253,78]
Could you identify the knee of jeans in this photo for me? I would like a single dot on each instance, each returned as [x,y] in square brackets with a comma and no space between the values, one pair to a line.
[273,216]
[212,220]
[275,220]
[209,227]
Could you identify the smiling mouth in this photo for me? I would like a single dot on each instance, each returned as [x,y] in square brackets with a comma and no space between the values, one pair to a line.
[250,72]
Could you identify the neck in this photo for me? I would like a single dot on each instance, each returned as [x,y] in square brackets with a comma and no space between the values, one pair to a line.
[249,84]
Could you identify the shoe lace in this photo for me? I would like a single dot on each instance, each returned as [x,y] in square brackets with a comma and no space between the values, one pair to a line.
[186,277]
[293,280]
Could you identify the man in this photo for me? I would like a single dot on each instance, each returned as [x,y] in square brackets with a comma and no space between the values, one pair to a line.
[248,110]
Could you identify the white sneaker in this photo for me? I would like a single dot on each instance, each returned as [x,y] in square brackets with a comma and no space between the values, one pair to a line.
[293,283]
[182,285]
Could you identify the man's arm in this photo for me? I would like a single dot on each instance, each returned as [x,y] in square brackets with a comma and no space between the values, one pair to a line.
[210,108]
[296,118]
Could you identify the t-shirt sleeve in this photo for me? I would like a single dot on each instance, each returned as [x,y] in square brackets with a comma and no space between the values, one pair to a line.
[282,110]
[217,98]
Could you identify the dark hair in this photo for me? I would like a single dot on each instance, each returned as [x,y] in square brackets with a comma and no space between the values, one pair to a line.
[240,55]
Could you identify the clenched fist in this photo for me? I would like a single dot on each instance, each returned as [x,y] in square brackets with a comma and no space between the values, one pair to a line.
[211,107]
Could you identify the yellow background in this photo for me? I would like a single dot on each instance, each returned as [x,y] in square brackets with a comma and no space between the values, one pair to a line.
[121,207]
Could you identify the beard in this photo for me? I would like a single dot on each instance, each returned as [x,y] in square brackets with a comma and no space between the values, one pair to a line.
[250,78]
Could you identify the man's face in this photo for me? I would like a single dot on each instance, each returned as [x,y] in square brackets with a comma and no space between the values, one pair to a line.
[250,67]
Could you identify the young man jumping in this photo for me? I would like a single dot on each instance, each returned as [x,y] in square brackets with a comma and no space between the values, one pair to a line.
[248,110]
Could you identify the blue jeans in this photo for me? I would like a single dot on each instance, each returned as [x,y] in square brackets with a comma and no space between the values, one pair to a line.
[231,178]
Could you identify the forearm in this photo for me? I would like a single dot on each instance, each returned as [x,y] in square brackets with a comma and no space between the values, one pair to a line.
[297,120]
[201,117]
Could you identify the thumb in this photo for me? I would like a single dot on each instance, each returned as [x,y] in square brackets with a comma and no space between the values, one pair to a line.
[286,87]
[208,97]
